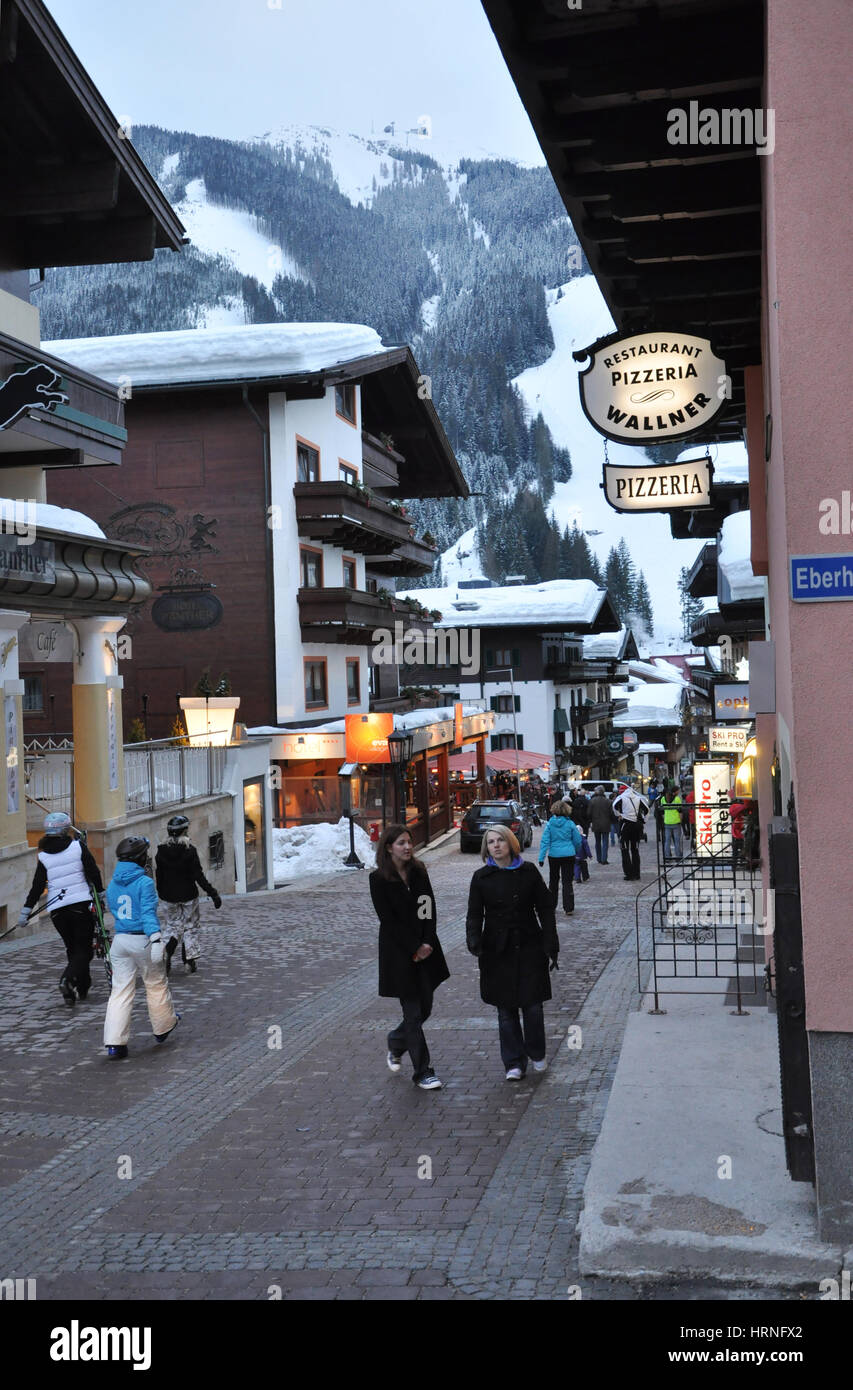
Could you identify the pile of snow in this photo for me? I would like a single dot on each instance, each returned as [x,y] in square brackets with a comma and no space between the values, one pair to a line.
[729,461]
[317,849]
[734,563]
[569,601]
[604,646]
[220,354]
[17,515]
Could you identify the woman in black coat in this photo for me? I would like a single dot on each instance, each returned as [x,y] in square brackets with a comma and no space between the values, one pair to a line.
[512,930]
[411,961]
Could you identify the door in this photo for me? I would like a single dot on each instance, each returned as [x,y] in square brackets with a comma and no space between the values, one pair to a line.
[254,829]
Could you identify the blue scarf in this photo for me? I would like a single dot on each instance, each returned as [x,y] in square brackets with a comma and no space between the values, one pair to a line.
[516,863]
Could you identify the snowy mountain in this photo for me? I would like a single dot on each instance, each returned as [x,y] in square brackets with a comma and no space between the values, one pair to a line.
[468,257]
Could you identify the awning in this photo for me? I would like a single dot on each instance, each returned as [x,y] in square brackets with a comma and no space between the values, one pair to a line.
[504,761]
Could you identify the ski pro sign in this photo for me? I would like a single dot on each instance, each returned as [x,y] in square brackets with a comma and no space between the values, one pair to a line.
[652,387]
[713,818]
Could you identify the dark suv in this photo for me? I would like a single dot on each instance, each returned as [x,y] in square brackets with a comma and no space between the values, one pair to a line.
[482,815]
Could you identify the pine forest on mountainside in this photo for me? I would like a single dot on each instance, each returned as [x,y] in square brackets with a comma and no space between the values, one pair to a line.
[484,259]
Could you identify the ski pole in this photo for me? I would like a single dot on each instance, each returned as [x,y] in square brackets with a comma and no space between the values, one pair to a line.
[45,907]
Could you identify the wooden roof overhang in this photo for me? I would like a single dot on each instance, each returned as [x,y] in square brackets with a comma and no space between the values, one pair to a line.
[87,428]
[671,233]
[74,190]
[58,573]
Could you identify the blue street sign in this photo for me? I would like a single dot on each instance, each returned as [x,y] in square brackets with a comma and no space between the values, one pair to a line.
[821,578]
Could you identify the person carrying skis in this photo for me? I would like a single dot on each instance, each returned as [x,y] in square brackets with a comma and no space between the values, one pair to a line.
[66,868]
[178,870]
[137,948]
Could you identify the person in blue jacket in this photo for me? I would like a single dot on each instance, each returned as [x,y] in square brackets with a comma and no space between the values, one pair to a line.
[561,841]
[137,948]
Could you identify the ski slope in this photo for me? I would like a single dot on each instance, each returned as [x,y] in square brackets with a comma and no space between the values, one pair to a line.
[234,234]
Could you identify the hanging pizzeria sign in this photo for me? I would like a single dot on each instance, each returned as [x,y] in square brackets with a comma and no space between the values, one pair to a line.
[653,387]
[653,487]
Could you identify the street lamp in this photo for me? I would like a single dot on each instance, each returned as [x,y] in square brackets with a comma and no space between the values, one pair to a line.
[560,758]
[400,745]
[502,671]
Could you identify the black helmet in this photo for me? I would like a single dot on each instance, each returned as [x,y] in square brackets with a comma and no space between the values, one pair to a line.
[178,825]
[134,850]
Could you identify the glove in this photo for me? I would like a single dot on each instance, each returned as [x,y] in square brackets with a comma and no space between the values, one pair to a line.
[216,900]
[158,950]
[26,912]
[554,965]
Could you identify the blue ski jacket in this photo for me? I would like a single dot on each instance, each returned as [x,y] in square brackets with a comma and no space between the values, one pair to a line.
[561,839]
[132,899]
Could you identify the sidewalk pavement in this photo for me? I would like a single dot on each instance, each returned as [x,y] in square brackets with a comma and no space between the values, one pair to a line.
[688,1174]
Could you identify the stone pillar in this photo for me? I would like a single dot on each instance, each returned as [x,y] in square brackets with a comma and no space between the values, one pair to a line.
[13,806]
[99,797]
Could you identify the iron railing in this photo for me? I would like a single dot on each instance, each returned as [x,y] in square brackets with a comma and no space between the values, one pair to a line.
[166,772]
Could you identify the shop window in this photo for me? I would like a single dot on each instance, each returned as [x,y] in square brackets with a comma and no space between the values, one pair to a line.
[350,574]
[254,836]
[353,681]
[216,850]
[311,568]
[345,401]
[347,473]
[307,462]
[33,694]
[315,684]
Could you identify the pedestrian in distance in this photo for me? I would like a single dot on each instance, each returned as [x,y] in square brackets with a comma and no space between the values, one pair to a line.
[614,825]
[511,929]
[68,871]
[411,961]
[561,842]
[631,808]
[179,876]
[672,811]
[602,821]
[137,949]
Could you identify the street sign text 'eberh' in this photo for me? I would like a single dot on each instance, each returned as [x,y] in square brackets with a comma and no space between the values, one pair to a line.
[652,387]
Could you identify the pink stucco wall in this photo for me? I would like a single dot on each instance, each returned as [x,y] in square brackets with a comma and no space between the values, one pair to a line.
[809,392]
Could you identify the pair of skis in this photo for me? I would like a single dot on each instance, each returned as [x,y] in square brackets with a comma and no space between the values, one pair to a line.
[102,939]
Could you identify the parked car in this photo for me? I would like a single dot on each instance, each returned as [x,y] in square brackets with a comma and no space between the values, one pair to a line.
[482,815]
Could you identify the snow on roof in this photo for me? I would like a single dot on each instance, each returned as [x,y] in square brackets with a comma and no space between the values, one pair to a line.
[415,719]
[649,671]
[652,706]
[730,461]
[651,748]
[734,563]
[236,352]
[516,605]
[19,515]
[604,646]
[668,668]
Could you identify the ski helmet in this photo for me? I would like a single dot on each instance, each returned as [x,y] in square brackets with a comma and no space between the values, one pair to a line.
[57,823]
[133,849]
[178,825]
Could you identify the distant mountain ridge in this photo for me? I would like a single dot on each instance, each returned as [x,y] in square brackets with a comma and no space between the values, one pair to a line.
[463,258]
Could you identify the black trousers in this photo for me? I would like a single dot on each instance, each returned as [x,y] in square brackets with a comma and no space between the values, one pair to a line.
[631,834]
[408,1036]
[562,867]
[76,927]
[521,1038]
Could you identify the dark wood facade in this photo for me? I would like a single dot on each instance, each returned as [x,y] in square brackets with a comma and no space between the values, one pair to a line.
[192,490]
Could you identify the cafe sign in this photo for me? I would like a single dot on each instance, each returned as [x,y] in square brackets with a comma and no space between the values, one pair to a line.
[652,487]
[652,387]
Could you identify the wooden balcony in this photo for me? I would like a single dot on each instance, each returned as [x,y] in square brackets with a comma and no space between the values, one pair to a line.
[339,514]
[576,672]
[350,615]
[411,558]
[380,464]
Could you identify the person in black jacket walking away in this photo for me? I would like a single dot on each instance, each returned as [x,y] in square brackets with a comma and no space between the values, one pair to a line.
[512,930]
[411,961]
[177,871]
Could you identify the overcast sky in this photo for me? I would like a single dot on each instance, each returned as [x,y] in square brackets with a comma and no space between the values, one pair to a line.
[237,68]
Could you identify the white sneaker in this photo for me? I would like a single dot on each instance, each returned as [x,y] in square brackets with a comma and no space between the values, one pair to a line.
[541,1066]
[394,1063]
[514,1074]
[429,1083]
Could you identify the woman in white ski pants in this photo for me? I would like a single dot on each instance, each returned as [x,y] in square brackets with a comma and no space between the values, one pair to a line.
[129,955]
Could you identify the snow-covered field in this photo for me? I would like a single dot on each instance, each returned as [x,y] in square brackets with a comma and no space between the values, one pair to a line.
[229,232]
[317,849]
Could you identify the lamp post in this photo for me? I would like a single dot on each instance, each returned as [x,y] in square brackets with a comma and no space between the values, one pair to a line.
[400,744]
[502,671]
[560,757]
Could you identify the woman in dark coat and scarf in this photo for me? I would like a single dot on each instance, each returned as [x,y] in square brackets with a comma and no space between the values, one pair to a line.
[411,961]
[512,930]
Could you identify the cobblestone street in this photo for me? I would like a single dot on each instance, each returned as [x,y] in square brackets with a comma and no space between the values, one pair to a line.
[253,1165]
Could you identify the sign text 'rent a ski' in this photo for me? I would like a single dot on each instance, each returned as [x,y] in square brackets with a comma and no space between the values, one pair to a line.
[652,387]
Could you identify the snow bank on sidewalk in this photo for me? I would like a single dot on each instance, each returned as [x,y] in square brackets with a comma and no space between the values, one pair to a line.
[317,849]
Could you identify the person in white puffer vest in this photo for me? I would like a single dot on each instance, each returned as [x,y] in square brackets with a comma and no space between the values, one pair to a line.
[138,948]
[69,872]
